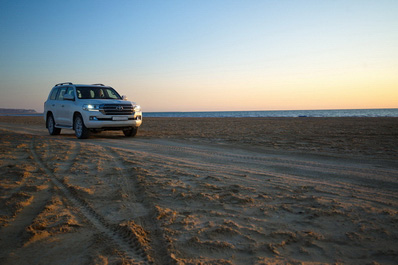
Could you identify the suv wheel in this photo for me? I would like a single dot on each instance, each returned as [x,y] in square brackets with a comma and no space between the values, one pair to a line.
[52,130]
[81,130]
[130,132]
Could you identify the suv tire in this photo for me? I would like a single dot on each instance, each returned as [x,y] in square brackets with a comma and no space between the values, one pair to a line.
[130,132]
[81,130]
[52,130]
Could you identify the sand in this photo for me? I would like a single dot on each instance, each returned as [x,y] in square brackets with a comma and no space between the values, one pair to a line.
[201,191]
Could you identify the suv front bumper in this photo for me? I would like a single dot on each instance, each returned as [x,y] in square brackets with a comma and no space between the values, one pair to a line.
[97,120]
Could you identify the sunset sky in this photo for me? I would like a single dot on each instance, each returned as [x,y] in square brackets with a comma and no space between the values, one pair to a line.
[204,55]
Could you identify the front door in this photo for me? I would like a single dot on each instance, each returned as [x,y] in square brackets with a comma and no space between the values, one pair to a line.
[65,108]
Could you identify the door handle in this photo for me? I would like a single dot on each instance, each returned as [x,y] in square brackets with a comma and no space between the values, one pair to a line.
[63,106]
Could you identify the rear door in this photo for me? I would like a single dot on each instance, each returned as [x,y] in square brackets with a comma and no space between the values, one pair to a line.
[49,105]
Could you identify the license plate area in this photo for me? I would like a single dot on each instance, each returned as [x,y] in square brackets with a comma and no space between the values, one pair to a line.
[120,118]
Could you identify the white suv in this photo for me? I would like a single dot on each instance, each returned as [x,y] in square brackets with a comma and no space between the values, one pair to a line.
[90,108]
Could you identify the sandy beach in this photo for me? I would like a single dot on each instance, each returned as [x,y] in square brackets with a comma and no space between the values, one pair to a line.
[201,191]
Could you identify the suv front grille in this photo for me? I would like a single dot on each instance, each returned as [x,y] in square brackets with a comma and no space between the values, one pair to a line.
[116,109]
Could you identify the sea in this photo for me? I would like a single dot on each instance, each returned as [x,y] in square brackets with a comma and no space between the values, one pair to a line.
[280,113]
[265,113]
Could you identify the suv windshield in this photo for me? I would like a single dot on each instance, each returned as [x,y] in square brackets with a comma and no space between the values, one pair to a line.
[96,92]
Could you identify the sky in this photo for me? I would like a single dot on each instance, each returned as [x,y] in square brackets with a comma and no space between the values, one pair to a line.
[208,55]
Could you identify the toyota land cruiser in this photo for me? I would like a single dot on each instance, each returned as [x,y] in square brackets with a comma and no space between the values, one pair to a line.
[90,108]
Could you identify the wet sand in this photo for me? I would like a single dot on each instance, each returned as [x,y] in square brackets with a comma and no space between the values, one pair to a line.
[201,191]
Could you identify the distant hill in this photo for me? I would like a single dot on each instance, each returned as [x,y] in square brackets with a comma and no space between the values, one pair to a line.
[17,111]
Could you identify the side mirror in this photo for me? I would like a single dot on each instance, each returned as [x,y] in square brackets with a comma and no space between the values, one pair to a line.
[124,97]
[69,97]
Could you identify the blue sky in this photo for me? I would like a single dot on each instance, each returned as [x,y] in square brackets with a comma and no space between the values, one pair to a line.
[204,55]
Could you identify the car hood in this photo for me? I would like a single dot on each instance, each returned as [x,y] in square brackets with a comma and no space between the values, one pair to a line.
[105,101]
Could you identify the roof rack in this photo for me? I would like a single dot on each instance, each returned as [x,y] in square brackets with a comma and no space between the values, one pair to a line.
[98,85]
[65,83]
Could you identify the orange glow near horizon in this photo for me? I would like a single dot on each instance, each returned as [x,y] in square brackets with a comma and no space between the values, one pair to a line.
[332,91]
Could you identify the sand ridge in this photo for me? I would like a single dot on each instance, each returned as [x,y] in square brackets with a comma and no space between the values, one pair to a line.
[192,199]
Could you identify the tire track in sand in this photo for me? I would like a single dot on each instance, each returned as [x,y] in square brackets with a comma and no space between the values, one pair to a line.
[8,240]
[137,195]
[70,158]
[279,161]
[124,240]
[212,165]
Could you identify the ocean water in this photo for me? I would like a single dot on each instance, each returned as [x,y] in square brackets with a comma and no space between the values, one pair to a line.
[266,113]
[280,113]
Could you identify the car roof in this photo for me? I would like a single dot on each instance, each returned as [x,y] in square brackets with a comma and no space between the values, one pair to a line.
[80,85]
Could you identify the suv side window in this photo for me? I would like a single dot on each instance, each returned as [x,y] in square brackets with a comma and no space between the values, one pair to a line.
[54,93]
[70,91]
[61,93]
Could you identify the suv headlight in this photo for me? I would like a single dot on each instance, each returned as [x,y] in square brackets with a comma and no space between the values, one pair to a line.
[137,108]
[91,107]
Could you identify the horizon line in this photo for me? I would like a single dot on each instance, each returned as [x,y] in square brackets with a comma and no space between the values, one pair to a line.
[193,111]
[269,110]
